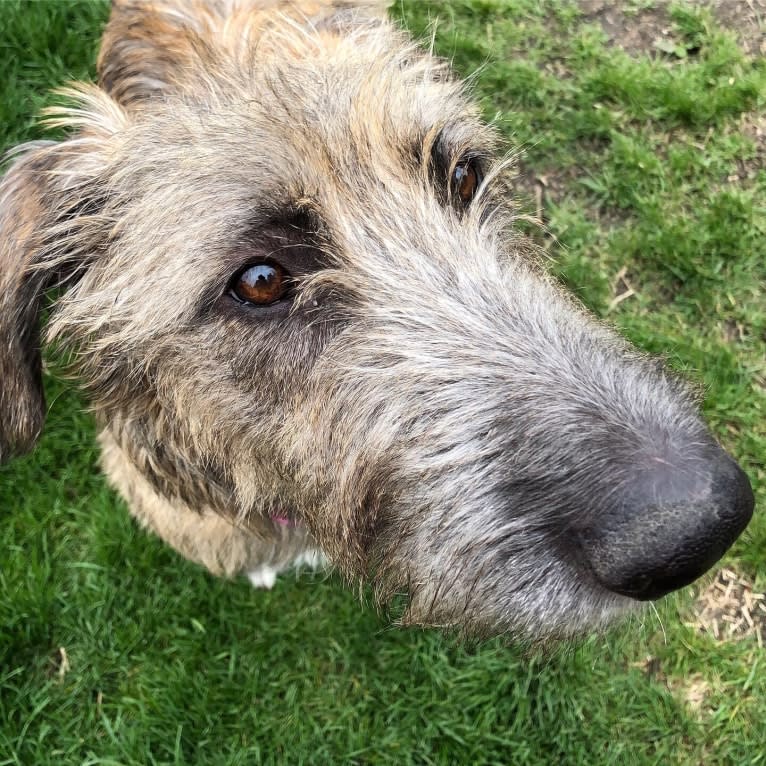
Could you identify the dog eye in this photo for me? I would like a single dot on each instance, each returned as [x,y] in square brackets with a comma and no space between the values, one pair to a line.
[261,284]
[465,181]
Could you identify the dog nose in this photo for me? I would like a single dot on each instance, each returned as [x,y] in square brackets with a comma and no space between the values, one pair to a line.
[669,525]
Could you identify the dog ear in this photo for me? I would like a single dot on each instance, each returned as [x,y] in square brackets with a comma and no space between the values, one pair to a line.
[21,396]
[151,49]
[49,199]
[148,48]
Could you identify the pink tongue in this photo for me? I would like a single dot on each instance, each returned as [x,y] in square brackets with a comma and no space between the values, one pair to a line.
[283,521]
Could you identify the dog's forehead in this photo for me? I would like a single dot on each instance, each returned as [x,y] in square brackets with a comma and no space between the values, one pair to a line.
[297,124]
[370,97]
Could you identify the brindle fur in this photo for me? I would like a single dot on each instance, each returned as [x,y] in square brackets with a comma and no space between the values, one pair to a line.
[432,409]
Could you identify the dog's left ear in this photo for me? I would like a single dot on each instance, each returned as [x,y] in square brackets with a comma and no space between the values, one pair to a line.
[153,49]
[49,212]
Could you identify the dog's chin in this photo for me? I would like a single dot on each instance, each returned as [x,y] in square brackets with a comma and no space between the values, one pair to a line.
[575,609]
[564,606]
[569,624]
[531,633]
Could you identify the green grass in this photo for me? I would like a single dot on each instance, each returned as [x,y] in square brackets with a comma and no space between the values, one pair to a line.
[658,173]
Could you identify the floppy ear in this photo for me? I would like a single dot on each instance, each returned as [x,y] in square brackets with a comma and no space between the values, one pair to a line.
[148,49]
[49,200]
[151,49]
[21,213]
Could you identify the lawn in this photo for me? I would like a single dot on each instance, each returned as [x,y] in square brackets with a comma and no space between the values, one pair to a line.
[642,128]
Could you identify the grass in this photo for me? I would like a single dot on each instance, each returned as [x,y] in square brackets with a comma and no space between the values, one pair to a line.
[655,184]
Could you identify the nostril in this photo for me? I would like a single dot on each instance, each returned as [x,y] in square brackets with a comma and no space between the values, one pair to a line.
[669,526]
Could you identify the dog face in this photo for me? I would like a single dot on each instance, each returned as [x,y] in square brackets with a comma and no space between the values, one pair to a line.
[292,286]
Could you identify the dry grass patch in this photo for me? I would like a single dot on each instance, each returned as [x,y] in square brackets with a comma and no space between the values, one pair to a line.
[729,609]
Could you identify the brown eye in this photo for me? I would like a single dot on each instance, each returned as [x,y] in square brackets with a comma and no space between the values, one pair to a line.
[465,181]
[261,284]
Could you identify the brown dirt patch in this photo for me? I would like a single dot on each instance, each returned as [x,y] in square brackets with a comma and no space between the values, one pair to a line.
[753,126]
[634,32]
[648,30]
[747,19]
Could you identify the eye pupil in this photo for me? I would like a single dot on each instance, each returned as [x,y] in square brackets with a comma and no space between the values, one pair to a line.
[465,181]
[261,284]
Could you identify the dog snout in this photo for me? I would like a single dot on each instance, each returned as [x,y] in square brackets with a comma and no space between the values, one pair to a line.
[669,524]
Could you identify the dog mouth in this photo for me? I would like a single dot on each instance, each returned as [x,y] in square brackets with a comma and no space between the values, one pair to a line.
[284,521]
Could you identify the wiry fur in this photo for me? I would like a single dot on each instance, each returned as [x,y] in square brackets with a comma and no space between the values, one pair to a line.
[433,412]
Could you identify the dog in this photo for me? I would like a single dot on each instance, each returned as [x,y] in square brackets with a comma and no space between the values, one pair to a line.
[283,259]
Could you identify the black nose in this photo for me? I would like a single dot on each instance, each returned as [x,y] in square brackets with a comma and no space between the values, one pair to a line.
[669,524]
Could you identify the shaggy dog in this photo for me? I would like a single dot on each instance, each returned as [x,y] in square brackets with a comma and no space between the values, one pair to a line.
[284,262]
